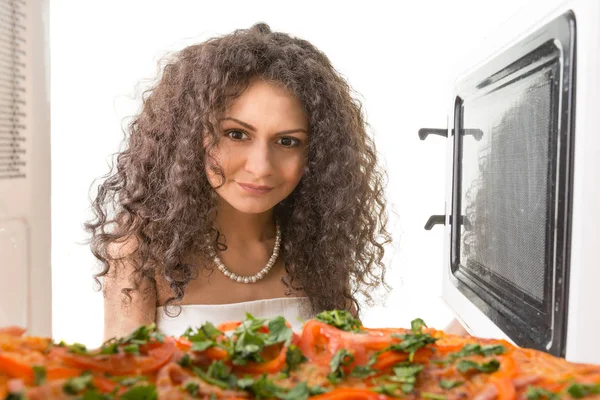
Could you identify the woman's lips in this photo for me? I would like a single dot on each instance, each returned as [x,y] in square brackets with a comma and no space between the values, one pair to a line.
[255,189]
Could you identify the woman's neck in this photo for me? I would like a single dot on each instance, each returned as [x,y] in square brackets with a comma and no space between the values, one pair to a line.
[239,227]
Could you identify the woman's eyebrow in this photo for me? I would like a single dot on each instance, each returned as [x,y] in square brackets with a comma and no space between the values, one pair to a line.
[253,129]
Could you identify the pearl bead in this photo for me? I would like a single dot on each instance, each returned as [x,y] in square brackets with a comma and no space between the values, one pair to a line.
[261,274]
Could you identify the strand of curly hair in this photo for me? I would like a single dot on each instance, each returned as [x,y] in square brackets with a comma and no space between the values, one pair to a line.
[334,222]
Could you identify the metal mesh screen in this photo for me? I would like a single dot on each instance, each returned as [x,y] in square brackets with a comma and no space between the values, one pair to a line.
[12,89]
[505,183]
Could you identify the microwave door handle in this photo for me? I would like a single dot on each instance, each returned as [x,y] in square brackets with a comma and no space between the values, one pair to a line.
[435,220]
[424,132]
[476,133]
[441,220]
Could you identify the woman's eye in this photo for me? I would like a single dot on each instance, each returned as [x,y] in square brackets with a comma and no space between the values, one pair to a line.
[236,135]
[288,142]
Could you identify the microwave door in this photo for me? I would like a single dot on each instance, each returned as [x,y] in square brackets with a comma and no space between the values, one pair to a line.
[512,183]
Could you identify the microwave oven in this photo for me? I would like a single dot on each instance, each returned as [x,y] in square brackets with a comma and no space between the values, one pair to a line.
[522,208]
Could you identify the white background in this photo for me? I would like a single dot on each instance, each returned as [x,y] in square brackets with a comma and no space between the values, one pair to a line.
[401,57]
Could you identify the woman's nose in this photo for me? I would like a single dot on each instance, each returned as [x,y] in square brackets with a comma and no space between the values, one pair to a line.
[258,161]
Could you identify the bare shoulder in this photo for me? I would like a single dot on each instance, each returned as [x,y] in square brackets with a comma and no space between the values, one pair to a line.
[123,248]
[123,313]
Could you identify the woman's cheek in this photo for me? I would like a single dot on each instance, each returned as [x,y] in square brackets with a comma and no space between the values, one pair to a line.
[213,164]
[296,171]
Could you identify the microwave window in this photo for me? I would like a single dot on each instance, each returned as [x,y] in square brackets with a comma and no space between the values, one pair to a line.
[507,186]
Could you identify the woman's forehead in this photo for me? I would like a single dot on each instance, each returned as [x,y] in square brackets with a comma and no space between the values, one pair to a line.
[267,104]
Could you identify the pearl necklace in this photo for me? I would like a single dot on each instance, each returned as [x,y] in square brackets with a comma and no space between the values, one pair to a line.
[262,273]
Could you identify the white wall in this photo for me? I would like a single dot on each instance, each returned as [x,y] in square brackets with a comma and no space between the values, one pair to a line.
[401,59]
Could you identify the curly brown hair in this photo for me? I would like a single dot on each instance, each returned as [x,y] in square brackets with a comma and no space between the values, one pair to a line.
[334,222]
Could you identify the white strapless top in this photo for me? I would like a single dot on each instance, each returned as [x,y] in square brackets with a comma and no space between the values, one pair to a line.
[294,309]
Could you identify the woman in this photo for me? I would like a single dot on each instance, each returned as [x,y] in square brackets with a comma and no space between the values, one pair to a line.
[248,184]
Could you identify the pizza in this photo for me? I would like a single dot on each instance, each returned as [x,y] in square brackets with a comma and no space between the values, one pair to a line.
[334,357]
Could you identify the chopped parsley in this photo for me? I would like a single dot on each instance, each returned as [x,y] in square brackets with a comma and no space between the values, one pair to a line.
[146,392]
[185,361]
[249,341]
[129,380]
[293,358]
[192,388]
[264,388]
[76,348]
[204,337]
[434,396]
[412,342]
[132,349]
[389,389]
[340,319]
[109,348]
[447,384]
[15,396]
[404,380]
[129,344]
[340,359]
[95,395]
[406,374]
[580,390]
[364,371]
[468,365]
[218,374]
[39,374]
[78,384]
[471,349]
[575,390]
[535,393]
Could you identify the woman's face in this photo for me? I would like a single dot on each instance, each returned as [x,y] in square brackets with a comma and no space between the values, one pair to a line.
[262,148]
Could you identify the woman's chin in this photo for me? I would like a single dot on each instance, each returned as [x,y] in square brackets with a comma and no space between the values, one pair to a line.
[252,207]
